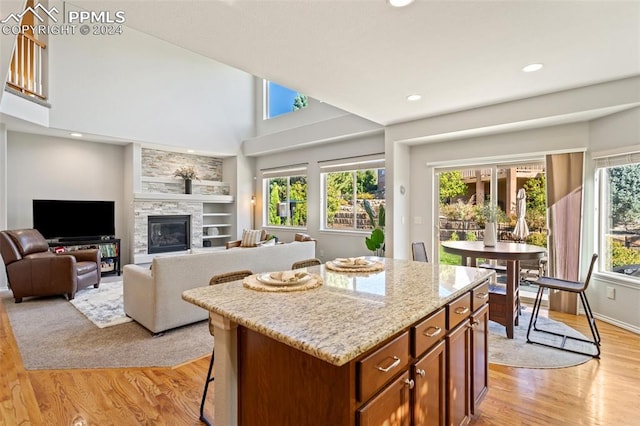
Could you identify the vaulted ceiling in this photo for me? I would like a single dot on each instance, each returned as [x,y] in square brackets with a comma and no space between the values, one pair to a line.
[366,57]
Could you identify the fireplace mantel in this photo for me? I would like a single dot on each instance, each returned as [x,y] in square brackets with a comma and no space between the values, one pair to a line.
[139,196]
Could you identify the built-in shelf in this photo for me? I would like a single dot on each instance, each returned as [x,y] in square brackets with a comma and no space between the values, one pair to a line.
[194,182]
[216,218]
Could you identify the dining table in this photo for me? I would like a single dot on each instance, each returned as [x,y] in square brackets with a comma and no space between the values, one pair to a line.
[506,300]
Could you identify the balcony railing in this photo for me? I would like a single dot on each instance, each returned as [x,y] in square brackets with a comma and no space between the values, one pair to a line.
[26,70]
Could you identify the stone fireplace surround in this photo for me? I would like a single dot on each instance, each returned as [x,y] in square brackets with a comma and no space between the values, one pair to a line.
[145,208]
[162,194]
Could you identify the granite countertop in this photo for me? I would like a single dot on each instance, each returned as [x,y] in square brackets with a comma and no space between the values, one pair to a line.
[350,313]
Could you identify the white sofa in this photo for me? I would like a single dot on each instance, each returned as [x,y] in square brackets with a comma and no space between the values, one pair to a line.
[153,296]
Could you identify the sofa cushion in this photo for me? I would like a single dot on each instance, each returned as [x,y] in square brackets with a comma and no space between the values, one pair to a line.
[250,237]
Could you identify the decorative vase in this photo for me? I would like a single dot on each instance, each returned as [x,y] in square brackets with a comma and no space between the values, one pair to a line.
[490,236]
[187,186]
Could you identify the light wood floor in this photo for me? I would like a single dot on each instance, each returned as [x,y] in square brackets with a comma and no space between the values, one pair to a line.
[605,392]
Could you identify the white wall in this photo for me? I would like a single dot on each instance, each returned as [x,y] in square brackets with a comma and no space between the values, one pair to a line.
[42,167]
[137,87]
[331,244]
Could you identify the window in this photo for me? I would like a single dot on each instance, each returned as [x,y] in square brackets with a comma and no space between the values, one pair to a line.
[350,189]
[618,180]
[463,192]
[281,100]
[286,192]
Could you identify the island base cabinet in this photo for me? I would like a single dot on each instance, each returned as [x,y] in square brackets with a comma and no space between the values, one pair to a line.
[278,385]
[480,360]
[389,407]
[458,380]
[429,396]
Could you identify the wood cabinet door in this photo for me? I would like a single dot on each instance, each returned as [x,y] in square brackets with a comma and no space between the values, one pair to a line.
[390,407]
[479,356]
[429,374]
[458,380]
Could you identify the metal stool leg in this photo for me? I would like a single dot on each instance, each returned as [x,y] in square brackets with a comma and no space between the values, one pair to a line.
[210,379]
[592,325]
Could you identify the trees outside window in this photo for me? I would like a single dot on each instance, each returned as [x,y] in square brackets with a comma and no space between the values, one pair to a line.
[346,192]
[287,201]
[620,219]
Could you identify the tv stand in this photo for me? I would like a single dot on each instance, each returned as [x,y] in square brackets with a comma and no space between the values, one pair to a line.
[109,250]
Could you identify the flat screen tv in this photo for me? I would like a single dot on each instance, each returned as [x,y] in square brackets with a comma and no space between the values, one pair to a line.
[74,220]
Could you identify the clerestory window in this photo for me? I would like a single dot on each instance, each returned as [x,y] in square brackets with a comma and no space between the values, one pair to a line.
[281,100]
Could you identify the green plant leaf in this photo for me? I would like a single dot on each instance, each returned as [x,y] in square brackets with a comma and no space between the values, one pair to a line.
[376,240]
[381,216]
[370,213]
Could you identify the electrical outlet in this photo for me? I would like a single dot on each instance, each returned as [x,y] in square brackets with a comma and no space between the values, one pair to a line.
[611,293]
[417,220]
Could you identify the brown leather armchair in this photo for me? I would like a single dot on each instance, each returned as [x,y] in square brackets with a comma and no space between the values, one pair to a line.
[32,270]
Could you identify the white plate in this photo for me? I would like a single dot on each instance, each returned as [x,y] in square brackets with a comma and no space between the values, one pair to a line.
[266,279]
[348,264]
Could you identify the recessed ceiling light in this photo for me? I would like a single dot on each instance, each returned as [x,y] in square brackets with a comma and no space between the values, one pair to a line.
[76,135]
[414,97]
[190,151]
[532,67]
[400,3]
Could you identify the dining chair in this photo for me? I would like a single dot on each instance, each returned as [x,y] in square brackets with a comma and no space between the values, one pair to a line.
[419,252]
[217,279]
[577,287]
[306,263]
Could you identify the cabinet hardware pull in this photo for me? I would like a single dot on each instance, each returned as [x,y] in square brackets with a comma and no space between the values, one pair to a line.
[420,372]
[462,310]
[409,382]
[435,332]
[482,295]
[394,364]
[474,323]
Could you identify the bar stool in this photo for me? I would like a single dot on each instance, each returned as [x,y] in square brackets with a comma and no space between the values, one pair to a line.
[306,263]
[579,288]
[217,279]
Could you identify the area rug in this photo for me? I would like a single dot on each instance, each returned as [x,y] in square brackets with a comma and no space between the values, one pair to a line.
[103,306]
[517,352]
[52,334]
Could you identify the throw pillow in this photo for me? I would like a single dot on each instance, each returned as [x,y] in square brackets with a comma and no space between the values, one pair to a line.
[250,237]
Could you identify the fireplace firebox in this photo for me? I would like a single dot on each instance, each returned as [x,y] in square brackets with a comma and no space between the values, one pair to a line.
[168,233]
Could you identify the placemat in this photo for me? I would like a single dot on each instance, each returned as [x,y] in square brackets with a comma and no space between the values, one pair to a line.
[374,267]
[252,283]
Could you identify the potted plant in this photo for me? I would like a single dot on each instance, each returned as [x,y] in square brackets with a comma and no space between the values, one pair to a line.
[375,242]
[489,215]
[188,173]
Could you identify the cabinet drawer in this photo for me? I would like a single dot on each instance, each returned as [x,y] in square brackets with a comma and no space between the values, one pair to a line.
[479,296]
[382,365]
[458,310]
[429,332]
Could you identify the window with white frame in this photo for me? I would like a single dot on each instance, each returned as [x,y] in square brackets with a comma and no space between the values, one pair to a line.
[354,193]
[285,197]
[466,192]
[280,100]
[618,183]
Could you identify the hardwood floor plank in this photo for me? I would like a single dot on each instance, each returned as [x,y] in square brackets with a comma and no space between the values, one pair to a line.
[604,392]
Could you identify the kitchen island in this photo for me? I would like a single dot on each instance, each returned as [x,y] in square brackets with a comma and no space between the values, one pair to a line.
[349,351]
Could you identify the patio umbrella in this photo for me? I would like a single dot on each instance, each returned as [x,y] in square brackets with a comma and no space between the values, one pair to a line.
[521,230]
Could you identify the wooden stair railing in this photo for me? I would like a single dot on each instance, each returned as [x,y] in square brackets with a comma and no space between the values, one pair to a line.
[26,70]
